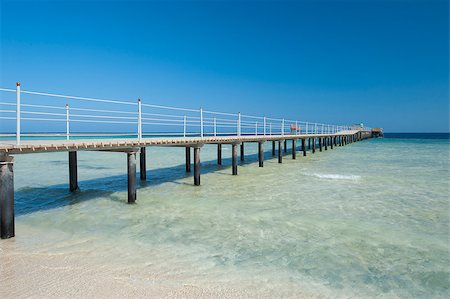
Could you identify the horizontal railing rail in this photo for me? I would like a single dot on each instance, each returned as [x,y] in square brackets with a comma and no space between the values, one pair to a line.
[80,116]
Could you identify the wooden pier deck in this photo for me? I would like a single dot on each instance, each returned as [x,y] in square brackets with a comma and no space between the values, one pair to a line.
[36,146]
[131,146]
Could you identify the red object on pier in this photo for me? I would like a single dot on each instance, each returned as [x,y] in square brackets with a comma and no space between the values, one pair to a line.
[295,128]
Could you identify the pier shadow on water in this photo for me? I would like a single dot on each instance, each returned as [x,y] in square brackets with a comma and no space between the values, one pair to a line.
[33,199]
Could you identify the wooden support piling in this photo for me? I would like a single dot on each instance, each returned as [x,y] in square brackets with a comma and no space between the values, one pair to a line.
[234,159]
[320,143]
[285,145]
[242,152]
[197,166]
[314,145]
[219,154]
[7,197]
[280,151]
[309,144]
[261,154]
[294,148]
[331,142]
[73,172]
[188,159]
[304,147]
[142,165]
[273,148]
[131,170]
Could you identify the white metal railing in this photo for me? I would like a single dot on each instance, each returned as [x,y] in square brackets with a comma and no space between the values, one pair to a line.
[137,119]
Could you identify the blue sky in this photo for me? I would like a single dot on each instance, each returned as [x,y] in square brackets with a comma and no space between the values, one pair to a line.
[384,63]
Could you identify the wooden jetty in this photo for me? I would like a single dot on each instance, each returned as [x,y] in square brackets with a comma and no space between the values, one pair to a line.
[247,129]
[133,146]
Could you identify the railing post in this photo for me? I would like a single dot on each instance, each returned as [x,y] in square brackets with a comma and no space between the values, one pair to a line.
[184,126]
[296,127]
[239,124]
[215,126]
[67,121]
[256,128]
[201,122]
[270,128]
[139,120]
[315,128]
[282,126]
[18,113]
[306,127]
[264,121]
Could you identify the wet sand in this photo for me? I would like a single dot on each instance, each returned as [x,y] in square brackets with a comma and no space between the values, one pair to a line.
[40,275]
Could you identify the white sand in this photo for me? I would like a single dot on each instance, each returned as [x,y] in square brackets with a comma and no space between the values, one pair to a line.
[38,275]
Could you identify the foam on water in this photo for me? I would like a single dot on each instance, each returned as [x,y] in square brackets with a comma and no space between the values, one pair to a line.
[336,176]
[367,220]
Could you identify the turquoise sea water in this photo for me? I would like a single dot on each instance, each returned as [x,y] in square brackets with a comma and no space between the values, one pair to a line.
[370,219]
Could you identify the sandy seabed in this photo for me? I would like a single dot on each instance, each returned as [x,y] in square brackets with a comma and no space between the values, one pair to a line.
[39,275]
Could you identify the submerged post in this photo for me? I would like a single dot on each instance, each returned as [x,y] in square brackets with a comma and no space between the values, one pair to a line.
[242,151]
[197,166]
[73,172]
[320,144]
[142,165]
[261,154]
[294,149]
[6,197]
[314,145]
[234,158]
[325,141]
[331,142]
[273,148]
[219,154]
[188,159]
[285,145]
[131,171]
[280,151]
[304,147]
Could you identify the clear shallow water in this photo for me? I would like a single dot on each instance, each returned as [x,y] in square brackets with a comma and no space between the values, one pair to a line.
[370,219]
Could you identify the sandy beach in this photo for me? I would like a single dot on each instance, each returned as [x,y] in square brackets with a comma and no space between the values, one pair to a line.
[44,275]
